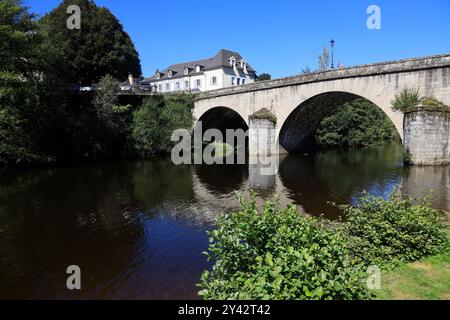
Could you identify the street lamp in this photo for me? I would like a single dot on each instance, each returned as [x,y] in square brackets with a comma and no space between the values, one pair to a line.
[332,53]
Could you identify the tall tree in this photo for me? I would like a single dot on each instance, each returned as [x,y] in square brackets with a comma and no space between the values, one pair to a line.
[355,124]
[25,119]
[99,48]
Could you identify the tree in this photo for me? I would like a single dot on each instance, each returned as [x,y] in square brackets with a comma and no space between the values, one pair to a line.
[324,60]
[99,48]
[106,97]
[157,118]
[26,115]
[356,124]
[264,77]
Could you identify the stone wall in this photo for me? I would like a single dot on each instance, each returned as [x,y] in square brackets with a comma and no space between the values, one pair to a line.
[262,137]
[426,136]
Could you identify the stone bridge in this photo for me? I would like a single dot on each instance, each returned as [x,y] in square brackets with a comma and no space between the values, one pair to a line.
[299,103]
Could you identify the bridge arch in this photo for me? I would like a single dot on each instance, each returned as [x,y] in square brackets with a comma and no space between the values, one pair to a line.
[297,130]
[222,118]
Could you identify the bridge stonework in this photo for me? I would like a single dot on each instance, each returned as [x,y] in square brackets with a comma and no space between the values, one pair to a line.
[300,102]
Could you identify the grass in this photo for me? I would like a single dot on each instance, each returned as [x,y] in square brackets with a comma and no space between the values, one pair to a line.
[427,279]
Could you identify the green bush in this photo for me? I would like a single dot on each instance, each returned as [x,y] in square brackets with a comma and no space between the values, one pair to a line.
[356,124]
[407,98]
[278,254]
[157,118]
[385,232]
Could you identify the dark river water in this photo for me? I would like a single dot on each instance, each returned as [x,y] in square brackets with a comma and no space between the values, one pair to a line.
[137,229]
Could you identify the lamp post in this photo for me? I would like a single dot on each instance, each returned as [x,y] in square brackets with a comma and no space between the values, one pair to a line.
[332,53]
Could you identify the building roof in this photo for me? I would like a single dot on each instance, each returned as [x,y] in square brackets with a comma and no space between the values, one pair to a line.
[220,60]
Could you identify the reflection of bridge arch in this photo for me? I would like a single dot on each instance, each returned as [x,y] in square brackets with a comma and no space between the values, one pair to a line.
[297,131]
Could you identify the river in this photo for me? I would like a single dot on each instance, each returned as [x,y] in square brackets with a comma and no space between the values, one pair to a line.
[138,229]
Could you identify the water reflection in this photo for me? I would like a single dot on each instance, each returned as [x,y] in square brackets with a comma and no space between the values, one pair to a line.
[137,230]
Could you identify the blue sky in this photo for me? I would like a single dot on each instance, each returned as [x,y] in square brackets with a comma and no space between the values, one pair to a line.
[279,37]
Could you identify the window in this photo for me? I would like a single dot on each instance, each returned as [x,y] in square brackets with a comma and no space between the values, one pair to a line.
[198,68]
[243,81]
[186,84]
[178,86]
[238,81]
[160,87]
[167,86]
[213,81]
[186,71]
[232,81]
[158,75]
[198,83]
[170,74]
[232,61]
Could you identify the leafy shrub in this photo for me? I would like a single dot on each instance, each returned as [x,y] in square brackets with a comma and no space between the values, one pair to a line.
[157,118]
[407,98]
[407,156]
[278,254]
[385,232]
[356,124]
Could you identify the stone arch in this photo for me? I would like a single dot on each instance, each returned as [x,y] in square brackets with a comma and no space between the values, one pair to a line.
[222,118]
[298,128]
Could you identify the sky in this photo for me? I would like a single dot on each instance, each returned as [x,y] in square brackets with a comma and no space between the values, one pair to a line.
[280,37]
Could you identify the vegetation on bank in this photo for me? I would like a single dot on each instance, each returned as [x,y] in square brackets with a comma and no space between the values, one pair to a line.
[426,279]
[279,254]
[43,120]
[356,124]
[157,118]
[389,232]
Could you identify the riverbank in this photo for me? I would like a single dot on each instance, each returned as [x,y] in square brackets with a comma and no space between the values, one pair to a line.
[427,279]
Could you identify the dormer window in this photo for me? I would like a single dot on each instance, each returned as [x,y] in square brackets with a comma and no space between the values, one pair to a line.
[170,74]
[186,71]
[243,63]
[158,74]
[198,68]
[232,61]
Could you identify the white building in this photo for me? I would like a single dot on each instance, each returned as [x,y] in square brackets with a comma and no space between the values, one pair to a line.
[225,69]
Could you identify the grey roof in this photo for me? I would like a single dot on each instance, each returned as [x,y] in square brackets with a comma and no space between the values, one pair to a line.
[218,61]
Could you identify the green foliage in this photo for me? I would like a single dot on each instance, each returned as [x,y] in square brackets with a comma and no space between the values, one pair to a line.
[41,120]
[356,124]
[157,118]
[27,114]
[264,77]
[407,98]
[385,232]
[407,157]
[99,48]
[278,254]
[113,121]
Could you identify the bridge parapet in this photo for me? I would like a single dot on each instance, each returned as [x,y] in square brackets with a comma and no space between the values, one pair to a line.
[397,66]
